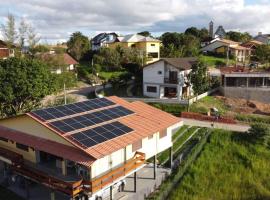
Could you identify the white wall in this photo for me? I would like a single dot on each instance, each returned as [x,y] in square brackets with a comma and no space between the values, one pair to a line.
[151,94]
[150,73]
[150,146]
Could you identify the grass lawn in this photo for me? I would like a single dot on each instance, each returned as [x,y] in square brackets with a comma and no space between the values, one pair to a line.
[108,75]
[183,128]
[213,61]
[229,167]
[183,138]
[6,194]
[203,105]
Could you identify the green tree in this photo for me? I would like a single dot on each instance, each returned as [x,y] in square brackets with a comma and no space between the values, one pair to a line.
[78,45]
[9,30]
[262,54]
[238,36]
[40,49]
[23,83]
[145,33]
[199,77]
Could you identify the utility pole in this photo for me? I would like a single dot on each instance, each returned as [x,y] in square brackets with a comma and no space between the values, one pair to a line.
[65,94]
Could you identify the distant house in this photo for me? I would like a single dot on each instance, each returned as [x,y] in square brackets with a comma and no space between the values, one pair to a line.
[59,62]
[102,40]
[252,45]
[5,51]
[247,84]
[168,78]
[148,45]
[264,38]
[223,46]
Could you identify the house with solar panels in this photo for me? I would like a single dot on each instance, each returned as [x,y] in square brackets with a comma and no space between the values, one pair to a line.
[85,148]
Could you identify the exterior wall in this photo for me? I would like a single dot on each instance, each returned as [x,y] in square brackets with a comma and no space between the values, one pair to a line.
[151,75]
[150,146]
[29,155]
[257,94]
[27,125]
[152,94]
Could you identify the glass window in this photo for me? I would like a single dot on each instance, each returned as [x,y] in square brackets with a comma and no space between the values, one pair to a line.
[153,45]
[151,89]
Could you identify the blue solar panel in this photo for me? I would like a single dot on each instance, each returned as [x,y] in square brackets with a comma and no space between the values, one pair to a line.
[70,109]
[100,134]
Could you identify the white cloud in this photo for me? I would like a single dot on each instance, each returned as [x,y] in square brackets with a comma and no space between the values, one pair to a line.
[56,19]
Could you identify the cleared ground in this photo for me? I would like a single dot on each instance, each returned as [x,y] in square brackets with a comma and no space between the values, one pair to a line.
[229,167]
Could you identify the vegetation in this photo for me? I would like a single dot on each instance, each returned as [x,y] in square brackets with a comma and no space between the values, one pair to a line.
[8,195]
[199,78]
[239,170]
[238,36]
[78,45]
[215,61]
[260,134]
[174,109]
[180,131]
[262,54]
[169,184]
[203,105]
[179,142]
[253,118]
[23,83]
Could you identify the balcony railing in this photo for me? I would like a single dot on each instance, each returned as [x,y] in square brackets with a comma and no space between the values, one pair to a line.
[19,167]
[171,81]
[132,164]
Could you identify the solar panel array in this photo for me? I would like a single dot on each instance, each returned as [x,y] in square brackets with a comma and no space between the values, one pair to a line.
[91,136]
[71,109]
[100,134]
[90,119]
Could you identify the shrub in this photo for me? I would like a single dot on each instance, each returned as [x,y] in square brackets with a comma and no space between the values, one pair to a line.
[260,133]
[67,78]
[253,118]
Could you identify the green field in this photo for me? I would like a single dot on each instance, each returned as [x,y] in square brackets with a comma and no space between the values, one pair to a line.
[212,61]
[6,194]
[229,167]
[108,75]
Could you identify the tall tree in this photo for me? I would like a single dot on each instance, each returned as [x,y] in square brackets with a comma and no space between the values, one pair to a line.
[238,36]
[145,33]
[199,77]
[9,30]
[23,28]
[23,83]
[78,45]
[33,37]
[262,54]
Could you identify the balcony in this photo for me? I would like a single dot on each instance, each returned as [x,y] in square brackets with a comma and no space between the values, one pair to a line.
[171,81]
[131,165]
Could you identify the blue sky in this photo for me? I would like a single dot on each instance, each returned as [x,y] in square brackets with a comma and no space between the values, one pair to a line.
[55,20]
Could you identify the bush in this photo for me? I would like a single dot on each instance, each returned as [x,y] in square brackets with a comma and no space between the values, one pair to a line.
[67,78]
[253,118]
[174,109]
[260,133]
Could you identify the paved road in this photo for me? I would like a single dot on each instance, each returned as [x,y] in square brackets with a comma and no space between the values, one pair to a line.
[231,127]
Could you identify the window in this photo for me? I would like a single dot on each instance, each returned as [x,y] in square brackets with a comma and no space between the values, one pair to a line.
[159,72]
[162,133]
[151,89]
[136,145]
[3,139]
[153,55]
[152,45]
[22,146]
[133,45]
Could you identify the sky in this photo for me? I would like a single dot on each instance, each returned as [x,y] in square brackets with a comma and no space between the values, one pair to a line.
[56,20]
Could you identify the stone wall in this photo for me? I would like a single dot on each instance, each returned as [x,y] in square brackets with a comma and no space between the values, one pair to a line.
[257,94]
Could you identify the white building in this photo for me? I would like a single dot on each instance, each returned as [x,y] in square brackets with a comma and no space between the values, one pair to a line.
[90,146]
[168,78]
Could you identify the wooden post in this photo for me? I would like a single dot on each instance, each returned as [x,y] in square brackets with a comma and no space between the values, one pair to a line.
[111,192]
[171,157]
[135,181]
[155,166]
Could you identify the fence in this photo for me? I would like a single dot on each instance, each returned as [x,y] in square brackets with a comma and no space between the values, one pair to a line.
[193,100]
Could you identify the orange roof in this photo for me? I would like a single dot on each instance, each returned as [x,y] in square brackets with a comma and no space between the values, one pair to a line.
[69,60]
[228,41]
[49,146]
[145,121]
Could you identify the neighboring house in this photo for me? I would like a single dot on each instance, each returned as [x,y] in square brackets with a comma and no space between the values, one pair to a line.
[247,84]
[264,38]
[224,47]
[252,45]
[149,46]
[84,149]
[59,62]
[5,52]
[168,78]
[102,40]
[220,33]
